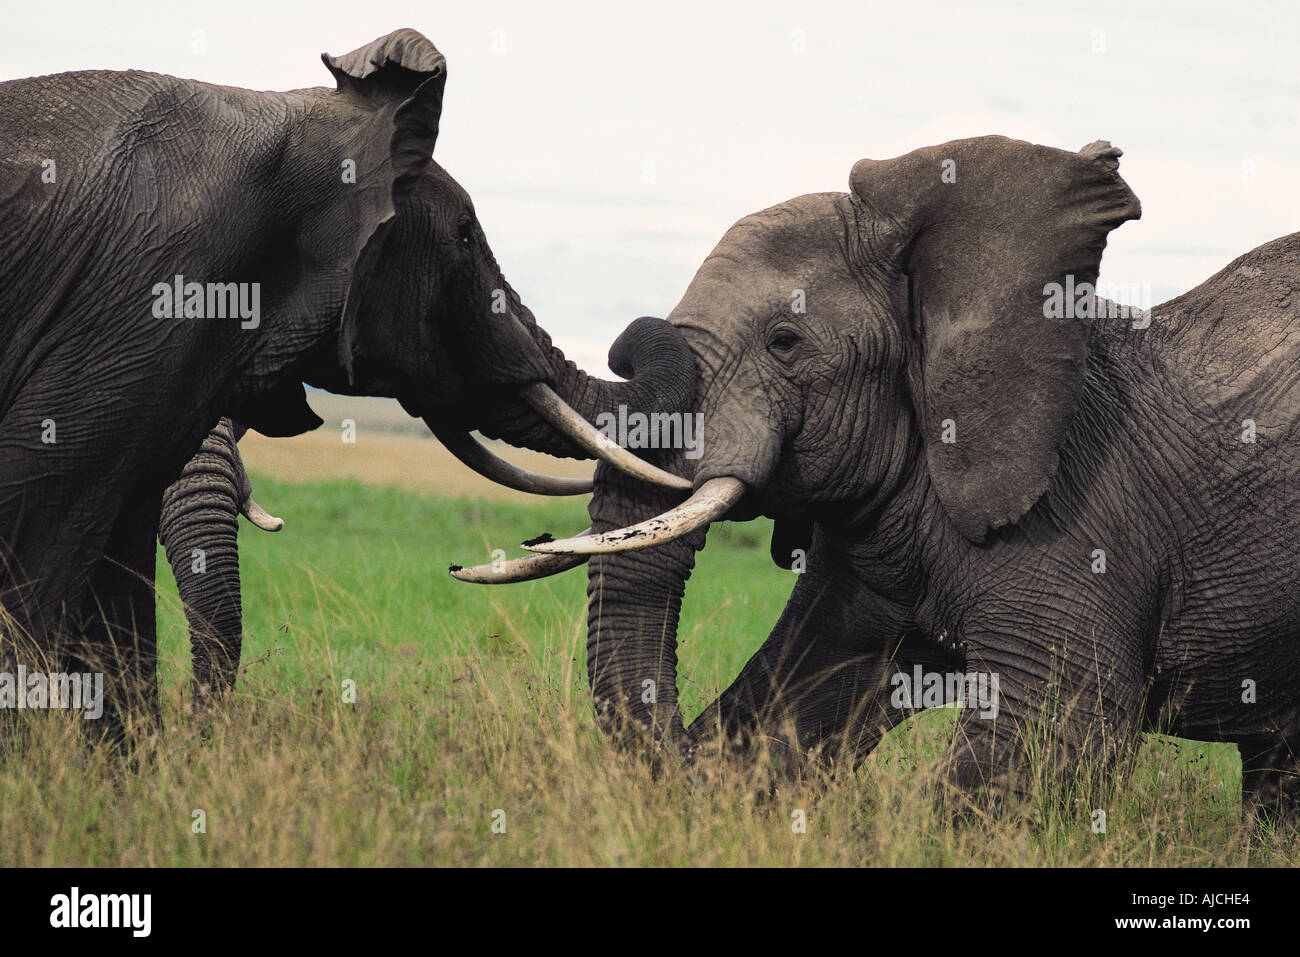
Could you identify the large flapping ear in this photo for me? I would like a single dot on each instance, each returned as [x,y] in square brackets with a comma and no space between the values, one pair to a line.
[402,73]
[986,226]
[400,78]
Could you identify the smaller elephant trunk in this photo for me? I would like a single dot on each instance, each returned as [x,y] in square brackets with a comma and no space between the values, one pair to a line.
[199,530]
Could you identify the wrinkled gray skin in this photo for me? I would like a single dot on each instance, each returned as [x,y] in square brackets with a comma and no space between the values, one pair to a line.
[925,303]
[200,512]
[375,278]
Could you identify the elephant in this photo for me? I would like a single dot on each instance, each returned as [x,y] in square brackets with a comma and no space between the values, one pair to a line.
[989,472]
[172,252]
[199,532]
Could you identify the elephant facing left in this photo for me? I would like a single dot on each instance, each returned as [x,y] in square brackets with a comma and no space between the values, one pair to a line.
[172,252]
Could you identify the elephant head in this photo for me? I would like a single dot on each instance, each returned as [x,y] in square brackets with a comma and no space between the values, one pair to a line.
[199,530]
[428,318]
[843,340]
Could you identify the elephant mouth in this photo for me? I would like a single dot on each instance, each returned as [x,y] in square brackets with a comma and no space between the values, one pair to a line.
[649,354]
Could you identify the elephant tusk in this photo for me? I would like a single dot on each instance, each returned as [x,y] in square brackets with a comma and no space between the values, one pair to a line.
[558,413]
[490,465]
[525,569]
[260,516]
[714,498]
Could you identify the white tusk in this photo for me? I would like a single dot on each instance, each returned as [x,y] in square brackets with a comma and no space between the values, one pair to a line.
[260,516]
[525,569]
[594,442]
[711,502]
[490,465]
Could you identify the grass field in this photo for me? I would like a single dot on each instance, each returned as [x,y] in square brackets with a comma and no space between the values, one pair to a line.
[471,708]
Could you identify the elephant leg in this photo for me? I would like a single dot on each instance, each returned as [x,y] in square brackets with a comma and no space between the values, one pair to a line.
[1067,710]
[118,632]
[51,540]
[1270,781]
[80,485]
[820,685]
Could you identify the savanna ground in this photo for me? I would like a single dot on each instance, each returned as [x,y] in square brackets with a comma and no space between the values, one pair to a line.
[471,707]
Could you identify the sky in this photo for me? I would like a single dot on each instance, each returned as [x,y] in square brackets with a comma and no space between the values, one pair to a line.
[608,147]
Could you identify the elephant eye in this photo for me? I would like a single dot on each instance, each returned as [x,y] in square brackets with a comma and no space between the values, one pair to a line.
[465,230]
[783,343]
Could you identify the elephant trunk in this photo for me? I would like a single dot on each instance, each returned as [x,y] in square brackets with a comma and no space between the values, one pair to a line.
[633,607]
[642,549]
[199,530]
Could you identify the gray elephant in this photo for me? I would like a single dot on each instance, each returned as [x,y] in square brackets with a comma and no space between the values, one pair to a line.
[994,474]
[172,252]
[199,531]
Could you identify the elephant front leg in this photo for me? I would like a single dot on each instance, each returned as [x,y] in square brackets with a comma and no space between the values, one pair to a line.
[117,637]
[1065,710]
[822,688]
[1270,781]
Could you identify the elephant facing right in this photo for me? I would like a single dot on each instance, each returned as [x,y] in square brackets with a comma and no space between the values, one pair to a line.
[1100,510]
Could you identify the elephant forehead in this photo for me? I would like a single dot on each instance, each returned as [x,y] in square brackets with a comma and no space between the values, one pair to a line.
[723,286]
[726,291]
[730,281]
[803,230]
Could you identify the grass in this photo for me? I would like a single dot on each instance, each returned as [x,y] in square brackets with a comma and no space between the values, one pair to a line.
[471,708]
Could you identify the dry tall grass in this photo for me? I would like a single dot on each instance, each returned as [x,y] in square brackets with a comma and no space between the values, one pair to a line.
[472,709]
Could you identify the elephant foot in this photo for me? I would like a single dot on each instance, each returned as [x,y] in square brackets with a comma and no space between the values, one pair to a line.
[1270,785]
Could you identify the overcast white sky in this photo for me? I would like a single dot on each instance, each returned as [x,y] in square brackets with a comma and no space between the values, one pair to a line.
[608,148]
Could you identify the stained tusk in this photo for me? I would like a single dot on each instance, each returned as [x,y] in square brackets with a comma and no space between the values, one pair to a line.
[490,465]
[594,442]
[711,502]
[525,569]
[260,516]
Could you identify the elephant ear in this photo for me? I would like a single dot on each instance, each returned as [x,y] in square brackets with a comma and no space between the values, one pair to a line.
[985,227]
[396,83]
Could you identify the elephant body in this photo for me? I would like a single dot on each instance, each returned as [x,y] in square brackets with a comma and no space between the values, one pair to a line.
[1102,511]
[1191,625]
[172,252]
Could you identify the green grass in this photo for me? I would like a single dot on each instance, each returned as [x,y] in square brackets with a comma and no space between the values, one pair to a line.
[472,701]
